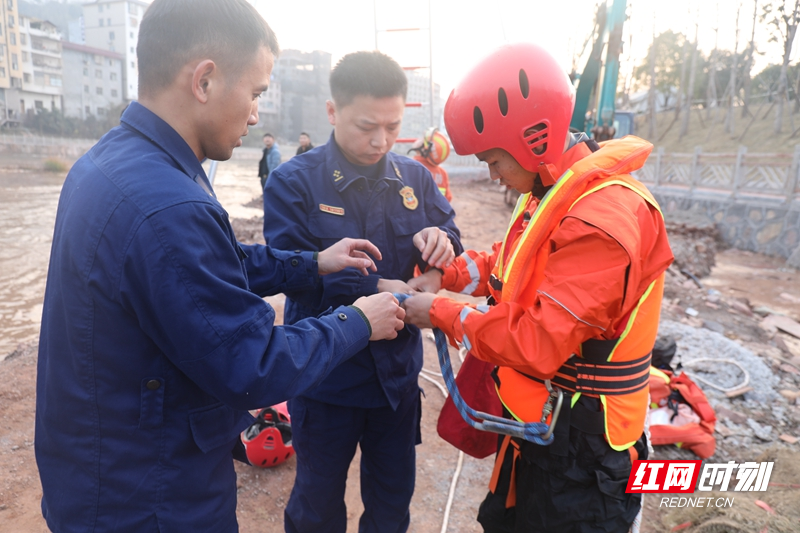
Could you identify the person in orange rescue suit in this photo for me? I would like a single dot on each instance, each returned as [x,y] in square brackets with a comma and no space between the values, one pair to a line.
[574,292]
[432,150]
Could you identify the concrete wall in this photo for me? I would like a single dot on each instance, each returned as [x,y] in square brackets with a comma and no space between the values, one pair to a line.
[765,226]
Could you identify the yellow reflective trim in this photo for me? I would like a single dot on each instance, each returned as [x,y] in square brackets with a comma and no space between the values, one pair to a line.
[574,399]
[522,201]
[624,184]
[615,447]
[656,372]
[539,209]
[631,320]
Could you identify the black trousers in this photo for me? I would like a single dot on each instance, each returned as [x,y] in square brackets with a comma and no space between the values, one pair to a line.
[575,485]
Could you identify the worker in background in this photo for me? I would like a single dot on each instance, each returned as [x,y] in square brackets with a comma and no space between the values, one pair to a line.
[432,150]
[305,144]
[270,158]
[354,186]
[155,339]
[574,288]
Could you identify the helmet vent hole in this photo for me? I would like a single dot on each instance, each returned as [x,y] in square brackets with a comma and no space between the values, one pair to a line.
[536,138]
[502,100]
[524,87]
[477,118]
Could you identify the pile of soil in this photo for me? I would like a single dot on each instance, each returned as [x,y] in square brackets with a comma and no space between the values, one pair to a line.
[695,240]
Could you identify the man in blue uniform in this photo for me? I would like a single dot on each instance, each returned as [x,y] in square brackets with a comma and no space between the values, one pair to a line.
[155,339]
[353,186]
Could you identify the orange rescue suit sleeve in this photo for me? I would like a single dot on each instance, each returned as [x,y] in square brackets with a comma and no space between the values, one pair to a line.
[579,298]
[469,273]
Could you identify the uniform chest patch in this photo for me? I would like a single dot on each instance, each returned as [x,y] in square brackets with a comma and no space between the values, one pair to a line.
[332,210]
[409,200]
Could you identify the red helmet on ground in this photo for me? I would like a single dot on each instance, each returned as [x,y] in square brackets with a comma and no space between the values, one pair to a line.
[433,146]
[519,99]
[268,441]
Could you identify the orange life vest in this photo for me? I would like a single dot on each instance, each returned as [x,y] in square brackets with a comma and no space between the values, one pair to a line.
[615,370]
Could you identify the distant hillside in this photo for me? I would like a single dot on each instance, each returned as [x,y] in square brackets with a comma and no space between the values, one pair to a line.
[758,137]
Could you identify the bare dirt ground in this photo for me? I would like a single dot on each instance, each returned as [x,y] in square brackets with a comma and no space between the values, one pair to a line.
[747,284]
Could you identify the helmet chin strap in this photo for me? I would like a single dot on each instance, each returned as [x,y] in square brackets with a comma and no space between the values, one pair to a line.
[548,174]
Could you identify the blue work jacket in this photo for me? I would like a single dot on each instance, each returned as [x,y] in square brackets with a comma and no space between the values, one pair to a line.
[317,198]
[155,341]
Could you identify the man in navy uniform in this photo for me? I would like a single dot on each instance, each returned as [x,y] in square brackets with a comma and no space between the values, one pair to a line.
[355,187]
[155,340]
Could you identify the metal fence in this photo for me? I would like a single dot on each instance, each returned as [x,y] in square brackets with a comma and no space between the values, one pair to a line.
[758,175]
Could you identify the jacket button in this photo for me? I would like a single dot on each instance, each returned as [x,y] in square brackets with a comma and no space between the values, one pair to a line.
[153,384]
[342,316]
[294,262]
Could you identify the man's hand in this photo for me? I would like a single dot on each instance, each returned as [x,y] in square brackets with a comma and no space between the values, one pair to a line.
[348,253]
[394,285]
[418,309]
[430,281]
[384,314]
[435,245]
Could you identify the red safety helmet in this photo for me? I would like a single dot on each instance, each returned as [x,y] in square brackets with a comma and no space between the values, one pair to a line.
[519,99]
[433,146]
[268,441]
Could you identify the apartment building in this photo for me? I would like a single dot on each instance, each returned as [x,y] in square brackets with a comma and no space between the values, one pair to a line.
[10,64]
[113,25]
[41,65]
[94,83]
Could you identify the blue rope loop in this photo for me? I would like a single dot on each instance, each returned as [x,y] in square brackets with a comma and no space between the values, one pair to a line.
[531,431]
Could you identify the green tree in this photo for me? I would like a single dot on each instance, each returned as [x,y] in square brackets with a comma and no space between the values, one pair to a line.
[669,52]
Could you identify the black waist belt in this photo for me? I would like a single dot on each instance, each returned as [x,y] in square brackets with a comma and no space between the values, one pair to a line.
[592,374]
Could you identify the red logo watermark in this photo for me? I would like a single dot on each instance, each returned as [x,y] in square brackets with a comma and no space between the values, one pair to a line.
[663,477]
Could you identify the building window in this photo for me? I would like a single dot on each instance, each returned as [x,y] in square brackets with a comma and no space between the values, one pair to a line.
[10,4]
[98,60]
[11,21]
[100,8]
[14,62]
[13,39]
[98,74]
[1,29]
[111,36]
[86,89]
[112,76]
[132,50]
[38,104]
[110,63]
[99,90]
[133,65]
[101,111]
[55,81]
[24,56]
[38,78]
[101,23]
[85,71]
[26,77]
[88,110]
[2,72]
[114,93]
[23,39]
[108,21]
[16,82]
[131,35]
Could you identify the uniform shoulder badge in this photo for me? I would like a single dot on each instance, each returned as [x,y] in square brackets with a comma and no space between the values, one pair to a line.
[409,200]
